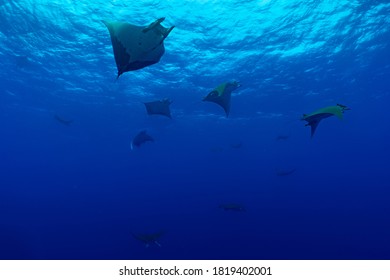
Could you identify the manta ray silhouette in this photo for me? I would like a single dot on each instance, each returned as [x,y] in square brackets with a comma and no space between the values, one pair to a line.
[63,121]
[282,137]
[141,138]
[136,47]
[314,118]
[149,239]
[159,107]
[232,207]
[221,95]
[285,172]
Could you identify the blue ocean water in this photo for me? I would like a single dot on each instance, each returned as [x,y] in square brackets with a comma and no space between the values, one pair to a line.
[79,191]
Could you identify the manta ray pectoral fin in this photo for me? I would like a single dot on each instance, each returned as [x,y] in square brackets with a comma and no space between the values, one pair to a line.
[339,114]
[159,29]
[153,24]
[313,126]
[343,107]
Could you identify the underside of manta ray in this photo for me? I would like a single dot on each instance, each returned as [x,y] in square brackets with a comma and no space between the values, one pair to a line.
[221,95]
[159,107]
[314,118]
[136,47]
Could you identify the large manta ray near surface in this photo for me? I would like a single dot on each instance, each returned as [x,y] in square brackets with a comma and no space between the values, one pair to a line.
[314,118]
[136,47]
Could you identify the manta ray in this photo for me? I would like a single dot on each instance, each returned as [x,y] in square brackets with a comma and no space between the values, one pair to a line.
[314,118]
[141,138]
[63,121]
[149,239]
[236,145]
[232,207]
[136,47]
[286,172]
[221,95]
[159,107]
[282,137]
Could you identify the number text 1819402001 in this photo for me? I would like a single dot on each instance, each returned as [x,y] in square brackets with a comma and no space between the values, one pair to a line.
[242,270]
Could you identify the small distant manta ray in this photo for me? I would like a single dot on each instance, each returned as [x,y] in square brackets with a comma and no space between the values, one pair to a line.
[63,121]
[237,145]
[282,173]
[141,138]
[136,47]
[232,207]
[282,137]
[148,239]
[314,118]
[159,107]
[216,149]
[221,95]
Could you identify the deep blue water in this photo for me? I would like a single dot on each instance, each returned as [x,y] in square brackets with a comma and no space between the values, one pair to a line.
[79,191]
